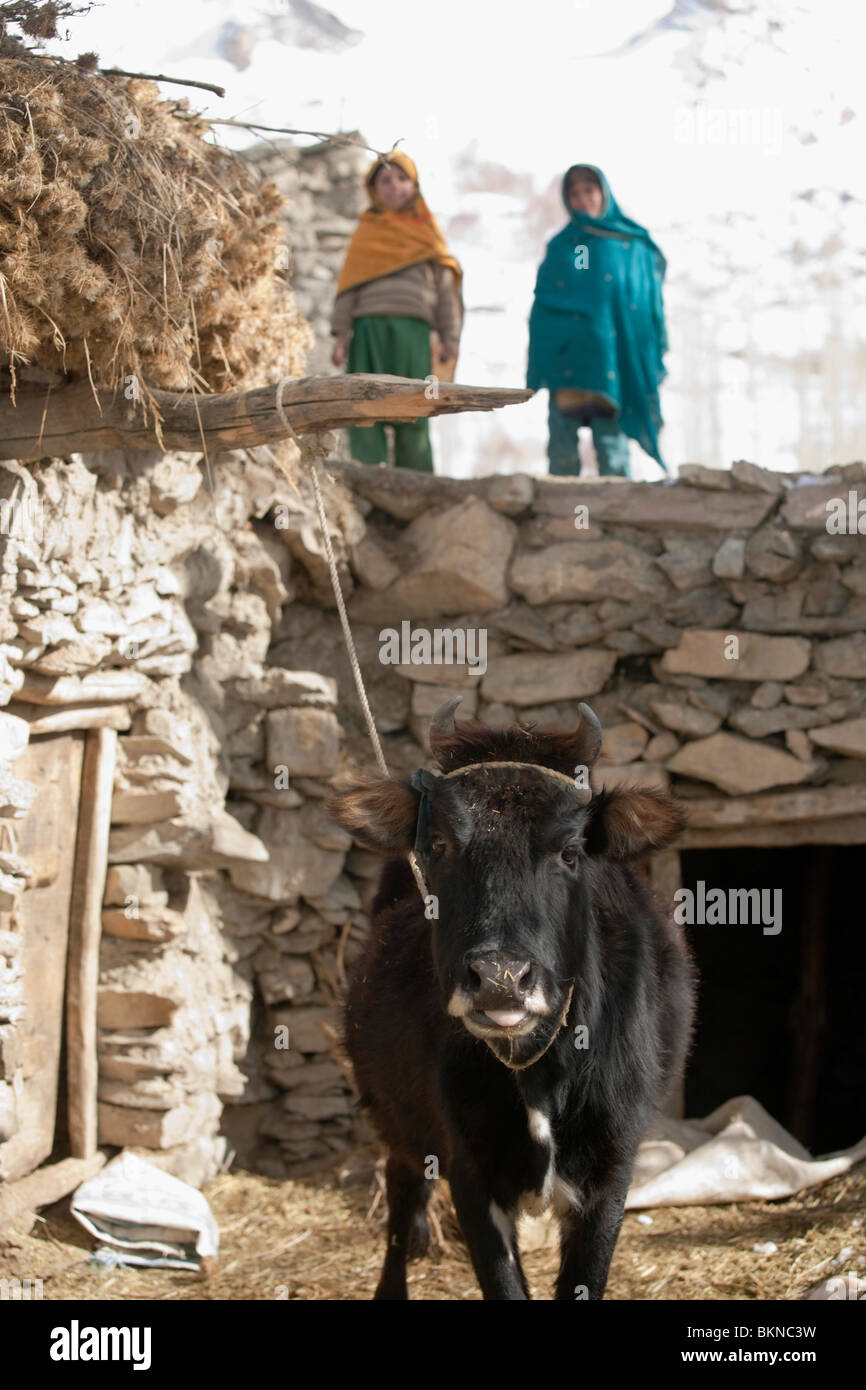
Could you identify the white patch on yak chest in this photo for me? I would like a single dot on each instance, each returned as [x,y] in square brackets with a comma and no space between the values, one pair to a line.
[554,1188]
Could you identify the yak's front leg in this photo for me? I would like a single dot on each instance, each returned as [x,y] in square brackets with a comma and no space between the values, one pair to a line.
[490,1235]
[408,1233]
[587,1243]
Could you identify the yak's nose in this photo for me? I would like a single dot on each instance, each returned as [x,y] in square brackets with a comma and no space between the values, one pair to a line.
[498,979]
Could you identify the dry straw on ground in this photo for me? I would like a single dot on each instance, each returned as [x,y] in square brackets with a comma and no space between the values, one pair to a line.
[131,246]
[312,1240]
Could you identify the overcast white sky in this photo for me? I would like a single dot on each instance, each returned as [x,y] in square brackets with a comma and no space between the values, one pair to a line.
[524,82]
[526,86]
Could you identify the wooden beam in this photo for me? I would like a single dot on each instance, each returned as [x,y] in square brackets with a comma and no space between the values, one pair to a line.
[56,421]
[46,839]
[813,803]
[834,830]
[45,1186]
[85,929]
[96,688]
[66,719]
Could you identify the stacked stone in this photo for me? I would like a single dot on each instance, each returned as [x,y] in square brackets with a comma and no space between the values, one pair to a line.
[202,616]
[715,624]
[324,186]
[310,923]
[147,596]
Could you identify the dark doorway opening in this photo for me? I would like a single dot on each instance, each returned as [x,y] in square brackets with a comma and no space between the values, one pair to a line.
[781,1017]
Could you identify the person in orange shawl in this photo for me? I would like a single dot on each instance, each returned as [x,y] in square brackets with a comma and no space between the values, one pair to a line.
[398,281]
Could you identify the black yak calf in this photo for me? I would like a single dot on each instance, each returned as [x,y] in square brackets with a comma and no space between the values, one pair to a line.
[517,1031]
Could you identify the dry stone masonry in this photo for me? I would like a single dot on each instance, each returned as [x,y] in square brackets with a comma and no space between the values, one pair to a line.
[740,677]
[157,620]
[324,188]
[191,608]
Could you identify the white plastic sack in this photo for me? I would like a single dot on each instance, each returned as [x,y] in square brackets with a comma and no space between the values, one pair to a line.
[153,1217]
[738,1153]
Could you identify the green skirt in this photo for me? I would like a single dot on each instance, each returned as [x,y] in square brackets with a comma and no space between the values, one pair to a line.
[391,345]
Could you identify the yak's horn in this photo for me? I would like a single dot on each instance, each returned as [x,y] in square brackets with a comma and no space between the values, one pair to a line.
[443,720]
[594,727]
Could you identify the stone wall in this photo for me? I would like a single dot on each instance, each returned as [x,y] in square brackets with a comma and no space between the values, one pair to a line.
[715,625]
[324,186]
[142,591]
[718,614]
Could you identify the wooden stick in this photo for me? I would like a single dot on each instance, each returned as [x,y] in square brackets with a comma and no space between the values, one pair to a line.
[289,130]
[85,929]
[71,423]
[161,77]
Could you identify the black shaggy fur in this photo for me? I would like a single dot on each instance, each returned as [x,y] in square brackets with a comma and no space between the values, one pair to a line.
[523,878]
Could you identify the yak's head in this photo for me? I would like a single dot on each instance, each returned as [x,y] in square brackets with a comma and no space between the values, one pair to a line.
[510,839]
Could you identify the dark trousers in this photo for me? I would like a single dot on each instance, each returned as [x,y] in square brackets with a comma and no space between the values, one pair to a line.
[611,444]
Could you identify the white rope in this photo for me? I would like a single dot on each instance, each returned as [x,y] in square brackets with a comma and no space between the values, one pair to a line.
[344,620]
[281,412]
[353,659]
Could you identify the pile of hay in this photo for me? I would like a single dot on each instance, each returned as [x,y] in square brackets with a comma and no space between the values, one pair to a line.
[129,245]
[309,1240]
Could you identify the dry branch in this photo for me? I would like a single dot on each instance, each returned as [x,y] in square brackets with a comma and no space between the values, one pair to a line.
[325,136]
[131,245]
[161,77]
[69,419]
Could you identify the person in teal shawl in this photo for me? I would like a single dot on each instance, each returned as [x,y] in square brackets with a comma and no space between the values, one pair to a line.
[597,332]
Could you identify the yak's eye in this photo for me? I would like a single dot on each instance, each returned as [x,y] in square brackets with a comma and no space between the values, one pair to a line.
[568,855]
[438,845]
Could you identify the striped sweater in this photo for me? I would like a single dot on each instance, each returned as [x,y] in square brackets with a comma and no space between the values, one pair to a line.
[423,291]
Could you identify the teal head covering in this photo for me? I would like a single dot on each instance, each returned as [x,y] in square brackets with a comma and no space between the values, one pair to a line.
[597,323]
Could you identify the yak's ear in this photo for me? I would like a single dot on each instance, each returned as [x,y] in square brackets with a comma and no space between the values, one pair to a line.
[380,812]
[631,820]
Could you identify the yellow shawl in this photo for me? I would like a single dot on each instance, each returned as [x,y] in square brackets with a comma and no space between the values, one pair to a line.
[389,239]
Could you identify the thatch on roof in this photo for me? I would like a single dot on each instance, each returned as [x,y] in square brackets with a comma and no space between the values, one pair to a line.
[132,246]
